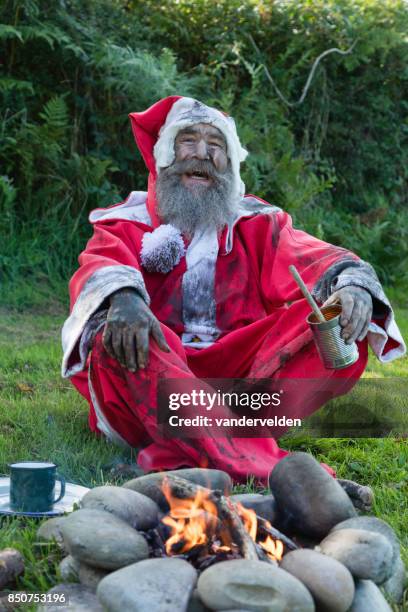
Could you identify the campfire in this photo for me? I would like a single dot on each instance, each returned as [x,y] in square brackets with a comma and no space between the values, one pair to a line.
[183,540]
[205,527]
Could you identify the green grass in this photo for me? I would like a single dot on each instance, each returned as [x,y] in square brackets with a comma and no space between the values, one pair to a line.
[42,417]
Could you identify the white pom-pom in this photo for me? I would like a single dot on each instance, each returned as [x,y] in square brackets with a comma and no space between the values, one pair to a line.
[162,249]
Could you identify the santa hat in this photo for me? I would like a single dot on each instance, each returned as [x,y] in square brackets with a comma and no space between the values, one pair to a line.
[156,128]
[186,112]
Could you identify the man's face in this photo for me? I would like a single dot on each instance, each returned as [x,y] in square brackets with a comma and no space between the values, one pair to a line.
[196,190]
[201,142]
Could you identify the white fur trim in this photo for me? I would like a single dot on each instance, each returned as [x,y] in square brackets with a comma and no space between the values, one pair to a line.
[162,249]
[98,287]
[132,209]
[199,307]
[186,112]
[378,338]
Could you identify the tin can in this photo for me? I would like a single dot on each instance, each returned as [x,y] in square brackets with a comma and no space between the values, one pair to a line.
[333,350]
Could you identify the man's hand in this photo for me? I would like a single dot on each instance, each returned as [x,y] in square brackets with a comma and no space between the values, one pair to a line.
[357,309]
[129,324]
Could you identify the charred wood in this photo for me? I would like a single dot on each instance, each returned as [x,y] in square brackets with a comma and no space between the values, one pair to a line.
[226,510]
[265,529]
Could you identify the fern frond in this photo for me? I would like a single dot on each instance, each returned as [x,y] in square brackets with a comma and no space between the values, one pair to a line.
[44,31]
[55,116]
[53,35]
[8,31]
[7,84]
[125,68]
[39,33]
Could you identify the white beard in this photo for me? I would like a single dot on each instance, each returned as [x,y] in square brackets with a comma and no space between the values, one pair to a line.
[199,206]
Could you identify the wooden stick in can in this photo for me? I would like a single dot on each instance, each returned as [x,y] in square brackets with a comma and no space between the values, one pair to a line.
[306,293]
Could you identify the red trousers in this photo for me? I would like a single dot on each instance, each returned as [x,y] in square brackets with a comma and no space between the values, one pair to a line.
[276,347]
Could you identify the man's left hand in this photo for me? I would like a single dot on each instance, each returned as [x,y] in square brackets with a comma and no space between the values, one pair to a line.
[357,309]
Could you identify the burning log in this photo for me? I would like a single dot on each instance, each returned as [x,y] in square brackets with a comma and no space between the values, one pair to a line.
[155,542]
[220,555]
[239,535]
[227,512]
[265,528]
[183,489]
[263,556]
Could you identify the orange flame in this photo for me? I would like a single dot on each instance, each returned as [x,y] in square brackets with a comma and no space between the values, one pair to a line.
[194,521]
[249,519]
[273,548]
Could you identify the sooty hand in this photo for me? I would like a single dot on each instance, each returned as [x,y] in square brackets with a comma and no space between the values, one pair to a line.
[357,310]
[128,327]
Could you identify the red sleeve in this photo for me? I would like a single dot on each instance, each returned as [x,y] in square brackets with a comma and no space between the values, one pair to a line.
[284,245]
[116,243]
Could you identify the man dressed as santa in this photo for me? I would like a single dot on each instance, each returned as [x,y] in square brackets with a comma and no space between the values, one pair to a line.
[190,281]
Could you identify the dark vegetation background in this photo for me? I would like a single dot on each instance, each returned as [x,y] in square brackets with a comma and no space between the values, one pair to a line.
[71,71]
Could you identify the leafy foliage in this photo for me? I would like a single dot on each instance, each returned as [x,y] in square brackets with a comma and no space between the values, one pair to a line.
[73,70]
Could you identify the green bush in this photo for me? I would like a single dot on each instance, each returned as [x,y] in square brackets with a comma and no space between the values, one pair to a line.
[73,70]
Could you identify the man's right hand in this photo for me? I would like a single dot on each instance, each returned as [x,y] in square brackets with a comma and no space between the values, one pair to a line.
[128,327]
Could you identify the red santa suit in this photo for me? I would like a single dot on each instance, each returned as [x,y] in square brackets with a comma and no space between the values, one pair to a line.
[226,303]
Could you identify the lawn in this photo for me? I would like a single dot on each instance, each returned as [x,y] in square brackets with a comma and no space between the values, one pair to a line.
[42,417]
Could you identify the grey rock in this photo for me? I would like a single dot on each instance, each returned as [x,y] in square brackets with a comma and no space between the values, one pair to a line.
[308,495]
[368,598]
[126,470]
[80,598]
[212,479]
[102,540]
[51,530]
[195,604]
[91,576]
[372,523]
[254,586]
[132,507]
[12,565]
[264,505]
[5,604]
[159,585]
[366,554]
[394,587]
[69,568]
[150,485]
[328,580]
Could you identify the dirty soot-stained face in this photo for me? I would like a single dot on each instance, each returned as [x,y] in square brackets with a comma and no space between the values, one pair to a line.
[196,191]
